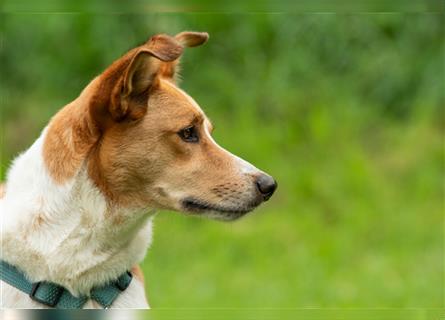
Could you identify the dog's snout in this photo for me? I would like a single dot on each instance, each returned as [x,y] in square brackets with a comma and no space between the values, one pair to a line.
[266,186]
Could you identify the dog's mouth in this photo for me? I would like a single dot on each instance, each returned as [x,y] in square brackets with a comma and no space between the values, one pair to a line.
[216,211]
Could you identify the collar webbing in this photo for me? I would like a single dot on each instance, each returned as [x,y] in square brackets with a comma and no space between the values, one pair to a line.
[55,296]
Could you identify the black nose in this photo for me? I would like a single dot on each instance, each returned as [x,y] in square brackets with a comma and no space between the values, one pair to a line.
[266,185]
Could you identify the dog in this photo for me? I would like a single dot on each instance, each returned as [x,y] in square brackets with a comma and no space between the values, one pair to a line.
[78,205]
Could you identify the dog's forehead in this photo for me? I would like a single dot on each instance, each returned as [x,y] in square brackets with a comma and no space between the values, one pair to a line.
[189,107]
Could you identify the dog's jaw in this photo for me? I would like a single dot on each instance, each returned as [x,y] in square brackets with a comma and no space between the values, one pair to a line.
[217,211]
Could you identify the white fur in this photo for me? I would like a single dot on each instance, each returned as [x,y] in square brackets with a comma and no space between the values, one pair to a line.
[66,233]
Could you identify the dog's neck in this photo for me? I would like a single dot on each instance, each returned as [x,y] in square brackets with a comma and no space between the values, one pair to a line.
[67,232]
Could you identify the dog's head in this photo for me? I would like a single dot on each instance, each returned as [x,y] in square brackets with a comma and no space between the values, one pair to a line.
[156,148]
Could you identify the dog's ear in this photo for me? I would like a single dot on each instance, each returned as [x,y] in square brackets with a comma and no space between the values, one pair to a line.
[186,39]
[144,67]
[192,39]
[140,74]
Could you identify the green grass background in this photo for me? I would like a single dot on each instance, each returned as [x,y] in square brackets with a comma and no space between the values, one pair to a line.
[344,110]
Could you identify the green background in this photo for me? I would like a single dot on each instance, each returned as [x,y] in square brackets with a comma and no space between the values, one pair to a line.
[344,110]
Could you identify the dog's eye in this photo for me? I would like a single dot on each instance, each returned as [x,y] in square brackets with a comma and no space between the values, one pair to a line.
[189,134]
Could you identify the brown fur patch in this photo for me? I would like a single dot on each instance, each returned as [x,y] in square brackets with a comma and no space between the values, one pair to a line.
[37,222]
[137,273]
[69,138]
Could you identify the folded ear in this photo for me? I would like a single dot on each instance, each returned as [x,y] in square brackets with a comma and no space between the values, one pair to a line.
[130,93]
[140,74]
[186,39]
[143,68]
[124,86]
[192,39]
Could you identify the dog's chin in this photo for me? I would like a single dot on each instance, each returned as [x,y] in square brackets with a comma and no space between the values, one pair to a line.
[216,211]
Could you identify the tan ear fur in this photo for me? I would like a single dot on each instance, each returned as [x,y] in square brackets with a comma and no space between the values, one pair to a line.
[146,62]
[140,74]
[131,76]
[192,39]
[186,39]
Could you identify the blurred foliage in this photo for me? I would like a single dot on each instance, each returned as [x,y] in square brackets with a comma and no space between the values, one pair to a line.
[345,110]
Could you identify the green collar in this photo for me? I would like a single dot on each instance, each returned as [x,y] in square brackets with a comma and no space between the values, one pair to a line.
[55,296]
